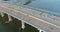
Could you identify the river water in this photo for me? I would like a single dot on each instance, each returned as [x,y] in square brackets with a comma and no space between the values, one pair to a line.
[49,6]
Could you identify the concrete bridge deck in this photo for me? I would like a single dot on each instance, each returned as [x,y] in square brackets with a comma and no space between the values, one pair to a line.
[35,17]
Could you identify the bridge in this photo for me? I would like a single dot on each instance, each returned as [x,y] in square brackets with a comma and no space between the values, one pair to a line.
[45,18]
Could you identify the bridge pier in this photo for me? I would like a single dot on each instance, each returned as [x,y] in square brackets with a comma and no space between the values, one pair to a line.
[2,14]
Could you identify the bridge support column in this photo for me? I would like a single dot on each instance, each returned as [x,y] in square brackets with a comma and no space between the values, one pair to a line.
[23,25]
[2,14]
[9,19]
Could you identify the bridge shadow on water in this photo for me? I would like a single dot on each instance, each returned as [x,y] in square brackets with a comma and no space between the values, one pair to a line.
[14,25]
